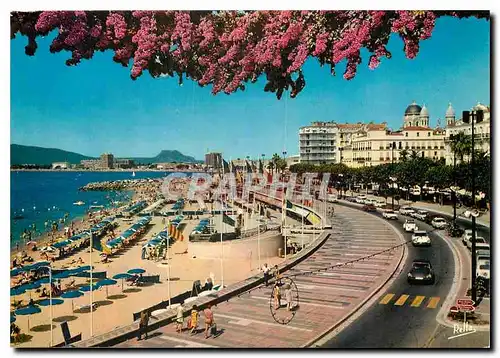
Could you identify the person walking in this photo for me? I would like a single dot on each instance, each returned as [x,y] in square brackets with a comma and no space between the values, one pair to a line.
[209,320]
[179,320]
[265,270]
[143,324]
[194,319]
[288,296]
[277,296]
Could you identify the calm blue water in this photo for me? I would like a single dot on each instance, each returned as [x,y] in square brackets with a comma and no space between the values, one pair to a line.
[47,196]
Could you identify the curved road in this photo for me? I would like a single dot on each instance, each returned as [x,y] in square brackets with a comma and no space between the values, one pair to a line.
[405,316]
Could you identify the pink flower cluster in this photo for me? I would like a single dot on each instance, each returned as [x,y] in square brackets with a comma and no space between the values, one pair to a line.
[229,48]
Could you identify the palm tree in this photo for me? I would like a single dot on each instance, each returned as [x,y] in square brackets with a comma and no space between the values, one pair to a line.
[461,145]
[404,154]
[413,155]
[275,160]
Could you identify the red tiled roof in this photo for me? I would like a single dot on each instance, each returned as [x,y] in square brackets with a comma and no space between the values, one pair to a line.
[376,127]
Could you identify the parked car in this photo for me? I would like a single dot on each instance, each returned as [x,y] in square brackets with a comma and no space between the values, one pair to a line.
[467,236]
[406,210]
[380,203]
[439,223]
[420,215]
[360,199]
[332,198]
[369,207]
[390,215]
[410,225]
[482,255]
[483,270]
[480,243]
[420,238]
[421,271]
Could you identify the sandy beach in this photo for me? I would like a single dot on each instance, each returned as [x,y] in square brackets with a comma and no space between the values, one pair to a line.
[117,309]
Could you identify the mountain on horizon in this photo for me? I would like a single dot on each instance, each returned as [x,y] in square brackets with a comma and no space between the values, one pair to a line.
[25,154]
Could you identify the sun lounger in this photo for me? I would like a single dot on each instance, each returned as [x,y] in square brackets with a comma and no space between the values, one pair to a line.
[84,307]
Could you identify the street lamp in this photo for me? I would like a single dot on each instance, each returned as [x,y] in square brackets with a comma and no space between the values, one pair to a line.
[473,117]
[454,194]
[50,303]
[392,145]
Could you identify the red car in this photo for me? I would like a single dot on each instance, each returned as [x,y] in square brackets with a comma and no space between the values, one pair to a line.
[369,207]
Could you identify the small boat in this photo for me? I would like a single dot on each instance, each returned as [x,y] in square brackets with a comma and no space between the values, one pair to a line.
[79,203]
[133,174]
[97,206]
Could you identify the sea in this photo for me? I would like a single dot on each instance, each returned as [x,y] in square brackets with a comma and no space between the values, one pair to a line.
[43,196]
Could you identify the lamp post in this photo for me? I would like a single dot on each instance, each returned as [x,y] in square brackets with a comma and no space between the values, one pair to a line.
[392,145]
[50,304]
[454,194]
[473,117]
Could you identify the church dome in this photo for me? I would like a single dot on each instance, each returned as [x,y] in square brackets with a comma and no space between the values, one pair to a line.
[413,108]
[450,112]
[424,112]
[480,106]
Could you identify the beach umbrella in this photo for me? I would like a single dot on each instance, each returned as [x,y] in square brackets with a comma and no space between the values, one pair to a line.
[17,291]
[136,271]
[27,311]
[12,318]
[44,280]
[60,275]
[47,249]
[72,295]
[122,276]
[107,282]
[31,286]
[47,302]
[87,288]
[16,271]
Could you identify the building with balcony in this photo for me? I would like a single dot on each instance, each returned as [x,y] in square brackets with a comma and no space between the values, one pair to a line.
[123,163]
[318,143]
[481,131]
[107,161]
[213,160]
[92,164]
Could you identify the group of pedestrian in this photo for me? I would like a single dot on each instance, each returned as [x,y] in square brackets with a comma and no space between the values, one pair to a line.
[193,321]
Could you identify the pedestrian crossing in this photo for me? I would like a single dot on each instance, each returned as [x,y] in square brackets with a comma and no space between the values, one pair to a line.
[412,301]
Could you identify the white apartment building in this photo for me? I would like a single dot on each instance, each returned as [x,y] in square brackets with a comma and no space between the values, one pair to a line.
[481,131]
[318,143]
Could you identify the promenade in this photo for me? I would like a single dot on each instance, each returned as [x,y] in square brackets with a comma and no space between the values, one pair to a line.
[325,298]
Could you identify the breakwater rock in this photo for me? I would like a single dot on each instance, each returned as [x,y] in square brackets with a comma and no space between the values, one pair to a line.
[119,184]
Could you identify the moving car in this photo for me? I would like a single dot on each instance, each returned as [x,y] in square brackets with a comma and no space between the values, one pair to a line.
[467,236]
[420,215]
[332,198]
[420,238]
[421,271]
[380,203]
[480,243]
[410,225]
[439,223]
[390,215]
[351,199]
[406,210]
[369,207]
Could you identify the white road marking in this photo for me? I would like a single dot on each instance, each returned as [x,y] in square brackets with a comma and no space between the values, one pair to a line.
[305,303]
[262,322]
[186,342]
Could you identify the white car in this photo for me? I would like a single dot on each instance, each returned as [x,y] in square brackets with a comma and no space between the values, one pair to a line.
[406,210]
[380,203]
[332,198]
[439,223]
[483,270]
[420,215]
[420,238]
[466,236]
[360,199]
[481,244]
[390,215]
[410,226]
[482,255]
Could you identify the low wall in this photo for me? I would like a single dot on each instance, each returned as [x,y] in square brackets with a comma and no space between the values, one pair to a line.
[238,249]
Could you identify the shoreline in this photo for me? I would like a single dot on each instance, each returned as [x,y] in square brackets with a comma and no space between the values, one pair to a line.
[109,170]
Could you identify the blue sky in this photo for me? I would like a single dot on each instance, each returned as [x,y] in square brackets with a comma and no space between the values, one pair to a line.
[95,107]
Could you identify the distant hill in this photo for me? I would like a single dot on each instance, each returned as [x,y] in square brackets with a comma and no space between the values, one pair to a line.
[167,156]
[24,154]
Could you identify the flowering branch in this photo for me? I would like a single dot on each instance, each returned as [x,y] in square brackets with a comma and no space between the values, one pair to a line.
[228,49]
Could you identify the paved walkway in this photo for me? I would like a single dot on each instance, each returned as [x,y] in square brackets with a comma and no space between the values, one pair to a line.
[325,298]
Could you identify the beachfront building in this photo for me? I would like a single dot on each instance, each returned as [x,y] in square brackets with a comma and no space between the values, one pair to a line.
[369,144]
[91,164]
[123,163]
[292,159]
[481,131]
[213,160]
[107,161]
[61,165]
[317,143]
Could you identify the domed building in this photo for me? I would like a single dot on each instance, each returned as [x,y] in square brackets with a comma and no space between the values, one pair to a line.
[416,116]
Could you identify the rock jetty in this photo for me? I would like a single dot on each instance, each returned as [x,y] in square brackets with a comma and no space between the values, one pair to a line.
[119,184]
